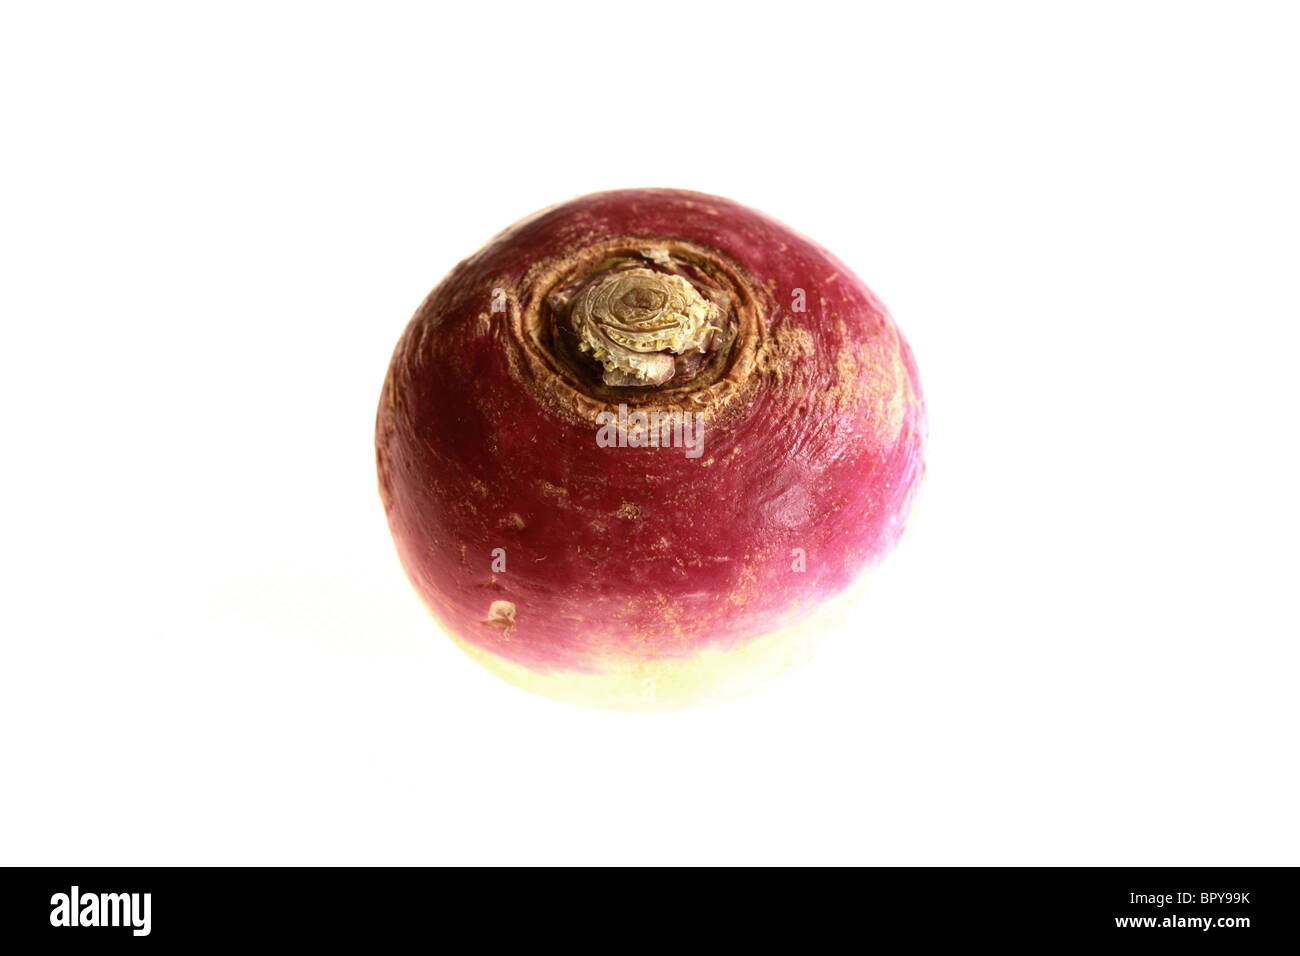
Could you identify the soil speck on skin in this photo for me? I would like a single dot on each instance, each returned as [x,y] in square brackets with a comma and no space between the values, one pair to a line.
[629,510]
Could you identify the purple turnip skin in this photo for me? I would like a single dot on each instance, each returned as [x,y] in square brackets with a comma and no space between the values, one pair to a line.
[645,577]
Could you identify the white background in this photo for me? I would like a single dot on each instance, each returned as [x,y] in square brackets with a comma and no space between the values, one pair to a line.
[216,221]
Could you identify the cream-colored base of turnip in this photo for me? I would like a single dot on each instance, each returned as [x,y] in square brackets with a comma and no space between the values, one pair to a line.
[707,676]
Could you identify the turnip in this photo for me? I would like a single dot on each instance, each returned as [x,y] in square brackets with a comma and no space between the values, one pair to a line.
[632,445]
